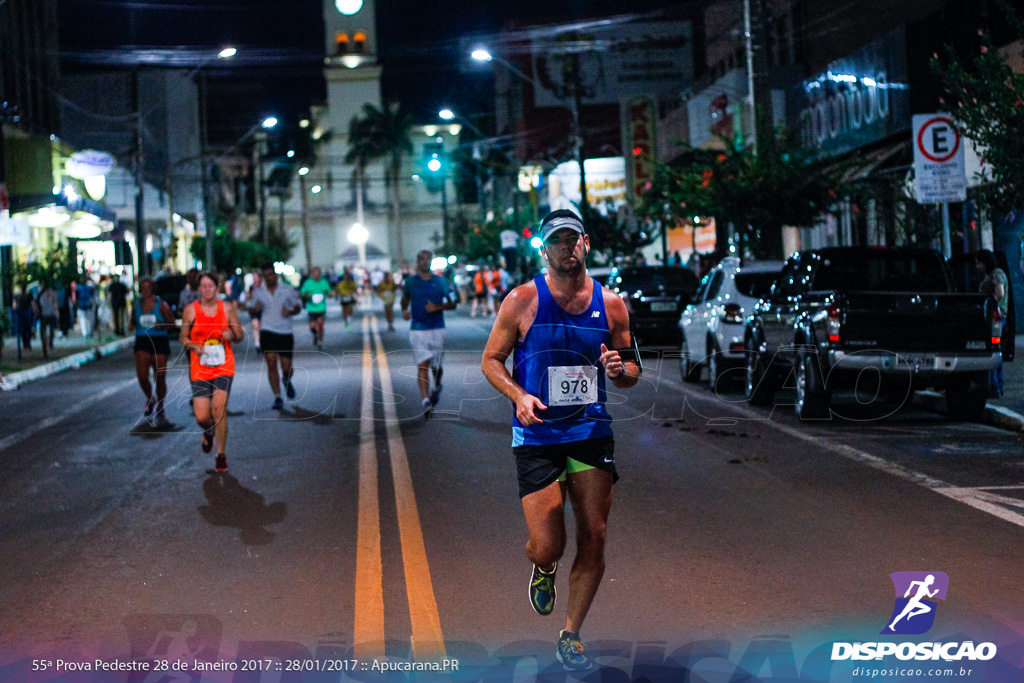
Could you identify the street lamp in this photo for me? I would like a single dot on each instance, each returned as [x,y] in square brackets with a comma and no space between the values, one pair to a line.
[449,115]
[572,91]
[258,151]
[205,226]
[358,235]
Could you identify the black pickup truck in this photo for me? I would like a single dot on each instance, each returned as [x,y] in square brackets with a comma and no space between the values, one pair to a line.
[882,320]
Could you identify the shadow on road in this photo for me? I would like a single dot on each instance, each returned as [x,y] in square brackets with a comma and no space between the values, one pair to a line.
[299,413]
[148,431]
[233,505]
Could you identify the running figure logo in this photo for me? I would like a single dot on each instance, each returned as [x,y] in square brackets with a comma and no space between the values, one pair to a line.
[914,612]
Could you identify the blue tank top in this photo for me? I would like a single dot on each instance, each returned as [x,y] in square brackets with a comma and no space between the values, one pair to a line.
[149,330]
[557,338]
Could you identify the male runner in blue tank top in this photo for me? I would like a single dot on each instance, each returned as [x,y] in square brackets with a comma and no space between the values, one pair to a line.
[566,332]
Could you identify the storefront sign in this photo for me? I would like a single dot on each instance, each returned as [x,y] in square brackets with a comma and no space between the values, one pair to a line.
[13,230]
[939,174]
[857,100]
[641,144]
[623,59]
[606,183]
[89,163]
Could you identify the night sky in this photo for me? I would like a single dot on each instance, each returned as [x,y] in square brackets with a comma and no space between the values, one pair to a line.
[280,43]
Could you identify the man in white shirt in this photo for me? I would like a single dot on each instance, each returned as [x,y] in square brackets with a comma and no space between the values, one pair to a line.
[278,303]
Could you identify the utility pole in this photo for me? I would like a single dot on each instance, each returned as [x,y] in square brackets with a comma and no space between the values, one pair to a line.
[140,210]
[575,87]
[261,202]
[6,252]
[209,232]
[760,95]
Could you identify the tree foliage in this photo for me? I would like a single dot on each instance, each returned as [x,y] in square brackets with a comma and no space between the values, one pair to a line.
[230,254]
[986,97]
[758,194]
[384,133]
[615,233]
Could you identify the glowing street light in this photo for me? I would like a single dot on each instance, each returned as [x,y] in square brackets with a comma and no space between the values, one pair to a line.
[227,53]
[446,114]
[481,55]
[316,189]
[269,122]
[358,235]
[304,170]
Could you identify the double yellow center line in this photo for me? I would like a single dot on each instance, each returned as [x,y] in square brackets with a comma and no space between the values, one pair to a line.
[368,636]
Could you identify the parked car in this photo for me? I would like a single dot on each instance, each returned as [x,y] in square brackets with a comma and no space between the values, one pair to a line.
[654,296]
[713,323]
[889,316]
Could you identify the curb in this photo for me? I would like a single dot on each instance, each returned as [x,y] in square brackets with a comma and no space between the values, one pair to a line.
[75,360]
[996,416]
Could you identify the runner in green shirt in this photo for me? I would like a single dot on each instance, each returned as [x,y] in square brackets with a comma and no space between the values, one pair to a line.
[314,292]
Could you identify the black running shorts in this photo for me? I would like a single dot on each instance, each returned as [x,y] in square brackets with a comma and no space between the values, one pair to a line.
[281,344]
[539,466]
[158,346]
[204,388]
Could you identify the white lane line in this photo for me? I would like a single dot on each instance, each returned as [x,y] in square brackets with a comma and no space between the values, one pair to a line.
[976,498]
[368,632]
[427,639]
[43,425]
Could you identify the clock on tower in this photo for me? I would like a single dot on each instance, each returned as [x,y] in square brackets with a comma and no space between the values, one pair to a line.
[348,7]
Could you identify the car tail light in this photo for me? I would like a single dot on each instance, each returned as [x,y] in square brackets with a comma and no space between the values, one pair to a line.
[732,314]
[737,347]
[997,326]
[834,321]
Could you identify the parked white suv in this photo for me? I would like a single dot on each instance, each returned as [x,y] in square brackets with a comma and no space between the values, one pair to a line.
[712,324]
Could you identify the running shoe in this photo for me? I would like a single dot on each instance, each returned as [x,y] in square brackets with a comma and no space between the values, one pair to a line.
[278,403]
[207,442]
[542,590]
[435,395]
[150,407]
[289,388]
[428,408]
[222,464]
[571,653]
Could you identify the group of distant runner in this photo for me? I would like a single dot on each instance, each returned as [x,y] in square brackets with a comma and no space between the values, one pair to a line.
[566,335]
[210,326]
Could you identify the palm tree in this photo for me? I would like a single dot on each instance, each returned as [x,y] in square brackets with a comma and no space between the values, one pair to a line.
[383,133]
[363,147]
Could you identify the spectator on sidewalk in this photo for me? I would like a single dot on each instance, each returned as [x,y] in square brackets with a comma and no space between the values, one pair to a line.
[118,293]
[85,292]
[996,284]
[49,311]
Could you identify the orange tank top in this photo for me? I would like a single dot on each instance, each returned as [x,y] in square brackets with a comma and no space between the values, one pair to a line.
[209,329]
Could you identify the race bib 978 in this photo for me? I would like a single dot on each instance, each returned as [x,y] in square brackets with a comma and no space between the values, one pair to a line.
[572,385]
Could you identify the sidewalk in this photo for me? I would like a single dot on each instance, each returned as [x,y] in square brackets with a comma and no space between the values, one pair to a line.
[67,353]
[1007,411]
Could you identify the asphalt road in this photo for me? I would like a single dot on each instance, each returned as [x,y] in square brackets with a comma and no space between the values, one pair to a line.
[351,529]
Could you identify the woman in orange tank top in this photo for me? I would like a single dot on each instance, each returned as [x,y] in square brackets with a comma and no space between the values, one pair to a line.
[209,328]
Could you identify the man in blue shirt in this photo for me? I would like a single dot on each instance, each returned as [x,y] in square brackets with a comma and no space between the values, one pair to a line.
[425,298]
[568,337]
